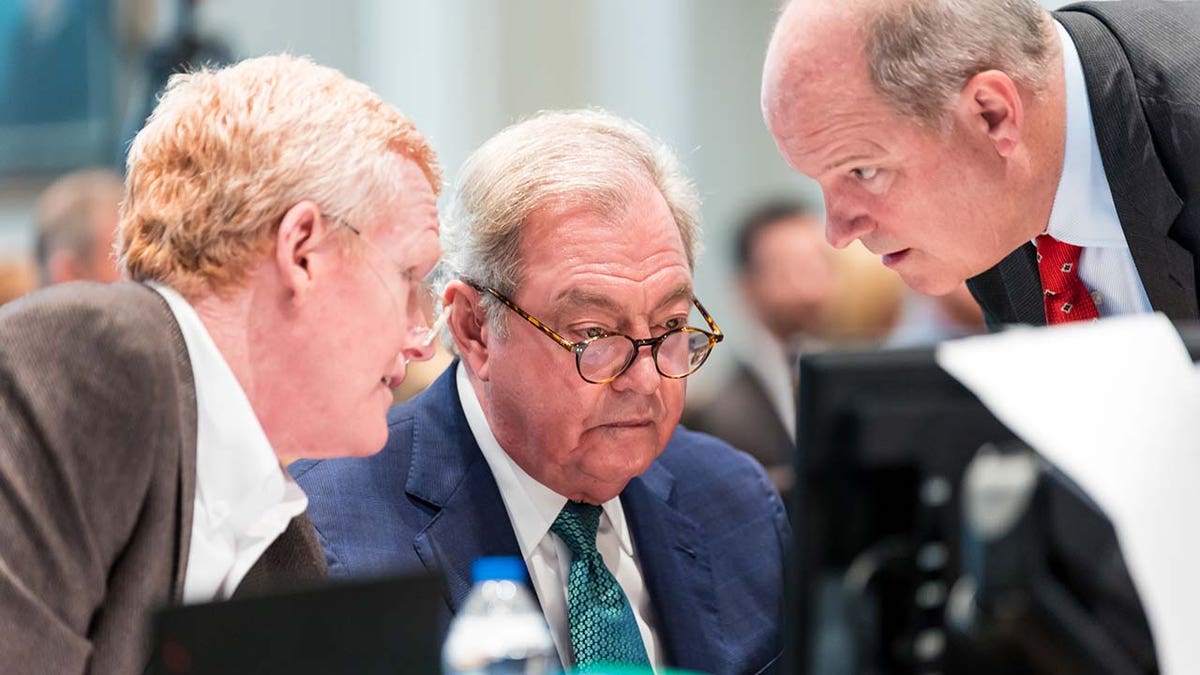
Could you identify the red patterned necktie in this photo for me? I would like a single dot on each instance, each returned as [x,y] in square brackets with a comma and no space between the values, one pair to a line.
[1066,298]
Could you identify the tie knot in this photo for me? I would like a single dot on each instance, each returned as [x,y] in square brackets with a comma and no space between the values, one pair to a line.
[1055,254]
[576,525]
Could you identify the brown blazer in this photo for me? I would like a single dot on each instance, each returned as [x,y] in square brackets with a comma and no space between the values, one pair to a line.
[97,479]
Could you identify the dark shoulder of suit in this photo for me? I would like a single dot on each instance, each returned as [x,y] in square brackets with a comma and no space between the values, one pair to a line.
[96,404]
[1142,63]
[1161,41]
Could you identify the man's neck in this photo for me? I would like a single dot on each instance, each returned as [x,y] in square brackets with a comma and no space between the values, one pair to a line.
[235,322]
[1048,141]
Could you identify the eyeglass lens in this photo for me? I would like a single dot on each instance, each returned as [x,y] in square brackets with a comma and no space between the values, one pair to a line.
[678,355]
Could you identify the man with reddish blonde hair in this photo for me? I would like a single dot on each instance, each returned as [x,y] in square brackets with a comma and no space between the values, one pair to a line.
[277,224]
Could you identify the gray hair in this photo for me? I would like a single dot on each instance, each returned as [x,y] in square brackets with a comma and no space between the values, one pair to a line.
[922,52]
[571,158]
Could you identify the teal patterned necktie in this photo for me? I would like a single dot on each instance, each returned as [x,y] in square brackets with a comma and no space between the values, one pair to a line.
[603,629]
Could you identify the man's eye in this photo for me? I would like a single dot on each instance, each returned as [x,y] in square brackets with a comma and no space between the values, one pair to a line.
[594,332]
[677,322]
[864,173]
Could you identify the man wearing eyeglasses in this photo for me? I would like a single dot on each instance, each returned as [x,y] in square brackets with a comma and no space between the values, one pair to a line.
[278,218]
[567,270]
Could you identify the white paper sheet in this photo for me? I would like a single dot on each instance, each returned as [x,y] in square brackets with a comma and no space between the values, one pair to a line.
[1116,405]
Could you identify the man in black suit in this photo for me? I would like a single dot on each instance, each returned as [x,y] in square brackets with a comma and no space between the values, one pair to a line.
[785,276]
[960,140]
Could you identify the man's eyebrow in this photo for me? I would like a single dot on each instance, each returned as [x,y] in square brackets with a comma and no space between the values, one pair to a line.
[578,296]
[851,159]
[574,297]
[681,292]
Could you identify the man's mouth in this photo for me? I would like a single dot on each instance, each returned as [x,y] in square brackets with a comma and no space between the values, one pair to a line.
[629,424]
[894,258]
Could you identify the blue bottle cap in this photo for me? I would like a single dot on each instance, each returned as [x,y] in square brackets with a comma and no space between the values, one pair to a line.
[499,568]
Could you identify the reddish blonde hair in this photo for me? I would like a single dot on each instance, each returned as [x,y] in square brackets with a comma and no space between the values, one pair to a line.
[228,151]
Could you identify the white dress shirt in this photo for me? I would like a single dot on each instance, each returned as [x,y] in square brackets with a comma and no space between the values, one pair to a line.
[1084,213]
[244,498]
[532,509]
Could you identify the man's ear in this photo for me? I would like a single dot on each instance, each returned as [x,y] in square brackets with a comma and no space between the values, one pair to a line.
[301,231]
[469,325]
[990,103]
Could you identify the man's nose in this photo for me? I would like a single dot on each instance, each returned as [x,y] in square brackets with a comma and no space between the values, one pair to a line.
[421,341]
[842,229]
[641,376]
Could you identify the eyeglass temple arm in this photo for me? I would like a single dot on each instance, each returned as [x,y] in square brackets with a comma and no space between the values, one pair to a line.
[717,334]
[563,342]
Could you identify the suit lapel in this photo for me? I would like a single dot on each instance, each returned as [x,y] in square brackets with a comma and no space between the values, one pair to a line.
[448,472]
[295,559]
[676,569]
[1147,204]
[1023,283]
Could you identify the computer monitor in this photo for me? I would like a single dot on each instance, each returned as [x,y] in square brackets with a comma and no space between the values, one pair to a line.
[388,625]
[884,440]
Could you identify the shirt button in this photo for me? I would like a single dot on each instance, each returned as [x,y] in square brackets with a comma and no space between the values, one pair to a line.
[1097,299]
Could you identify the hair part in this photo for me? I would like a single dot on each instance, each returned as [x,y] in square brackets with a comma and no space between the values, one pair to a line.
[921,53]
[553,160]
[228,151]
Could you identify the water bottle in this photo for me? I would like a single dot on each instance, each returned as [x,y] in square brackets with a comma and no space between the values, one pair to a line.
[499,630]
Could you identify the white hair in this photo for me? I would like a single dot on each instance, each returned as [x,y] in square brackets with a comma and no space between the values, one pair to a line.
[572,158]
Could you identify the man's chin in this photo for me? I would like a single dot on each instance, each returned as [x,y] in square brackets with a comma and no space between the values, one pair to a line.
[931,284]
[608,481]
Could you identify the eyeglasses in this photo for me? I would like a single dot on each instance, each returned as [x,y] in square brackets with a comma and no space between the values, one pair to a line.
[601,359]
[421,291]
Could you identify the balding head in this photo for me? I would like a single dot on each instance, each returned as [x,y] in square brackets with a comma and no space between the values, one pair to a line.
[911,113]
[915,54]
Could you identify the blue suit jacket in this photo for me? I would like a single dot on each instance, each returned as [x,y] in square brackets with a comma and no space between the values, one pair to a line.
[708,528]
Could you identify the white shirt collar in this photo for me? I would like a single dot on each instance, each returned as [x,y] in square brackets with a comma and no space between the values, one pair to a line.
[244,498]
[1083,213]
[532,507]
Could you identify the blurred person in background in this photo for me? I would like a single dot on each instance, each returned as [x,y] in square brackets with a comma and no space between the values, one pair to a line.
[866,301]
[929,319]
[17,277]
[787,280]
[76,222]
[277,222]
[568,267]
[1049,159]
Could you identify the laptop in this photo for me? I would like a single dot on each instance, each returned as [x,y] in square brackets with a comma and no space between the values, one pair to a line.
[380,626]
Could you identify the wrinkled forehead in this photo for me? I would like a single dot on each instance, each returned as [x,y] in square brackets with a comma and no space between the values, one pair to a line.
[815,46]
[638,246]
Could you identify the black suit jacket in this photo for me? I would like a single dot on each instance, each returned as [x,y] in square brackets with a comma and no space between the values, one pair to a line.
[97,480]
[1141,63]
